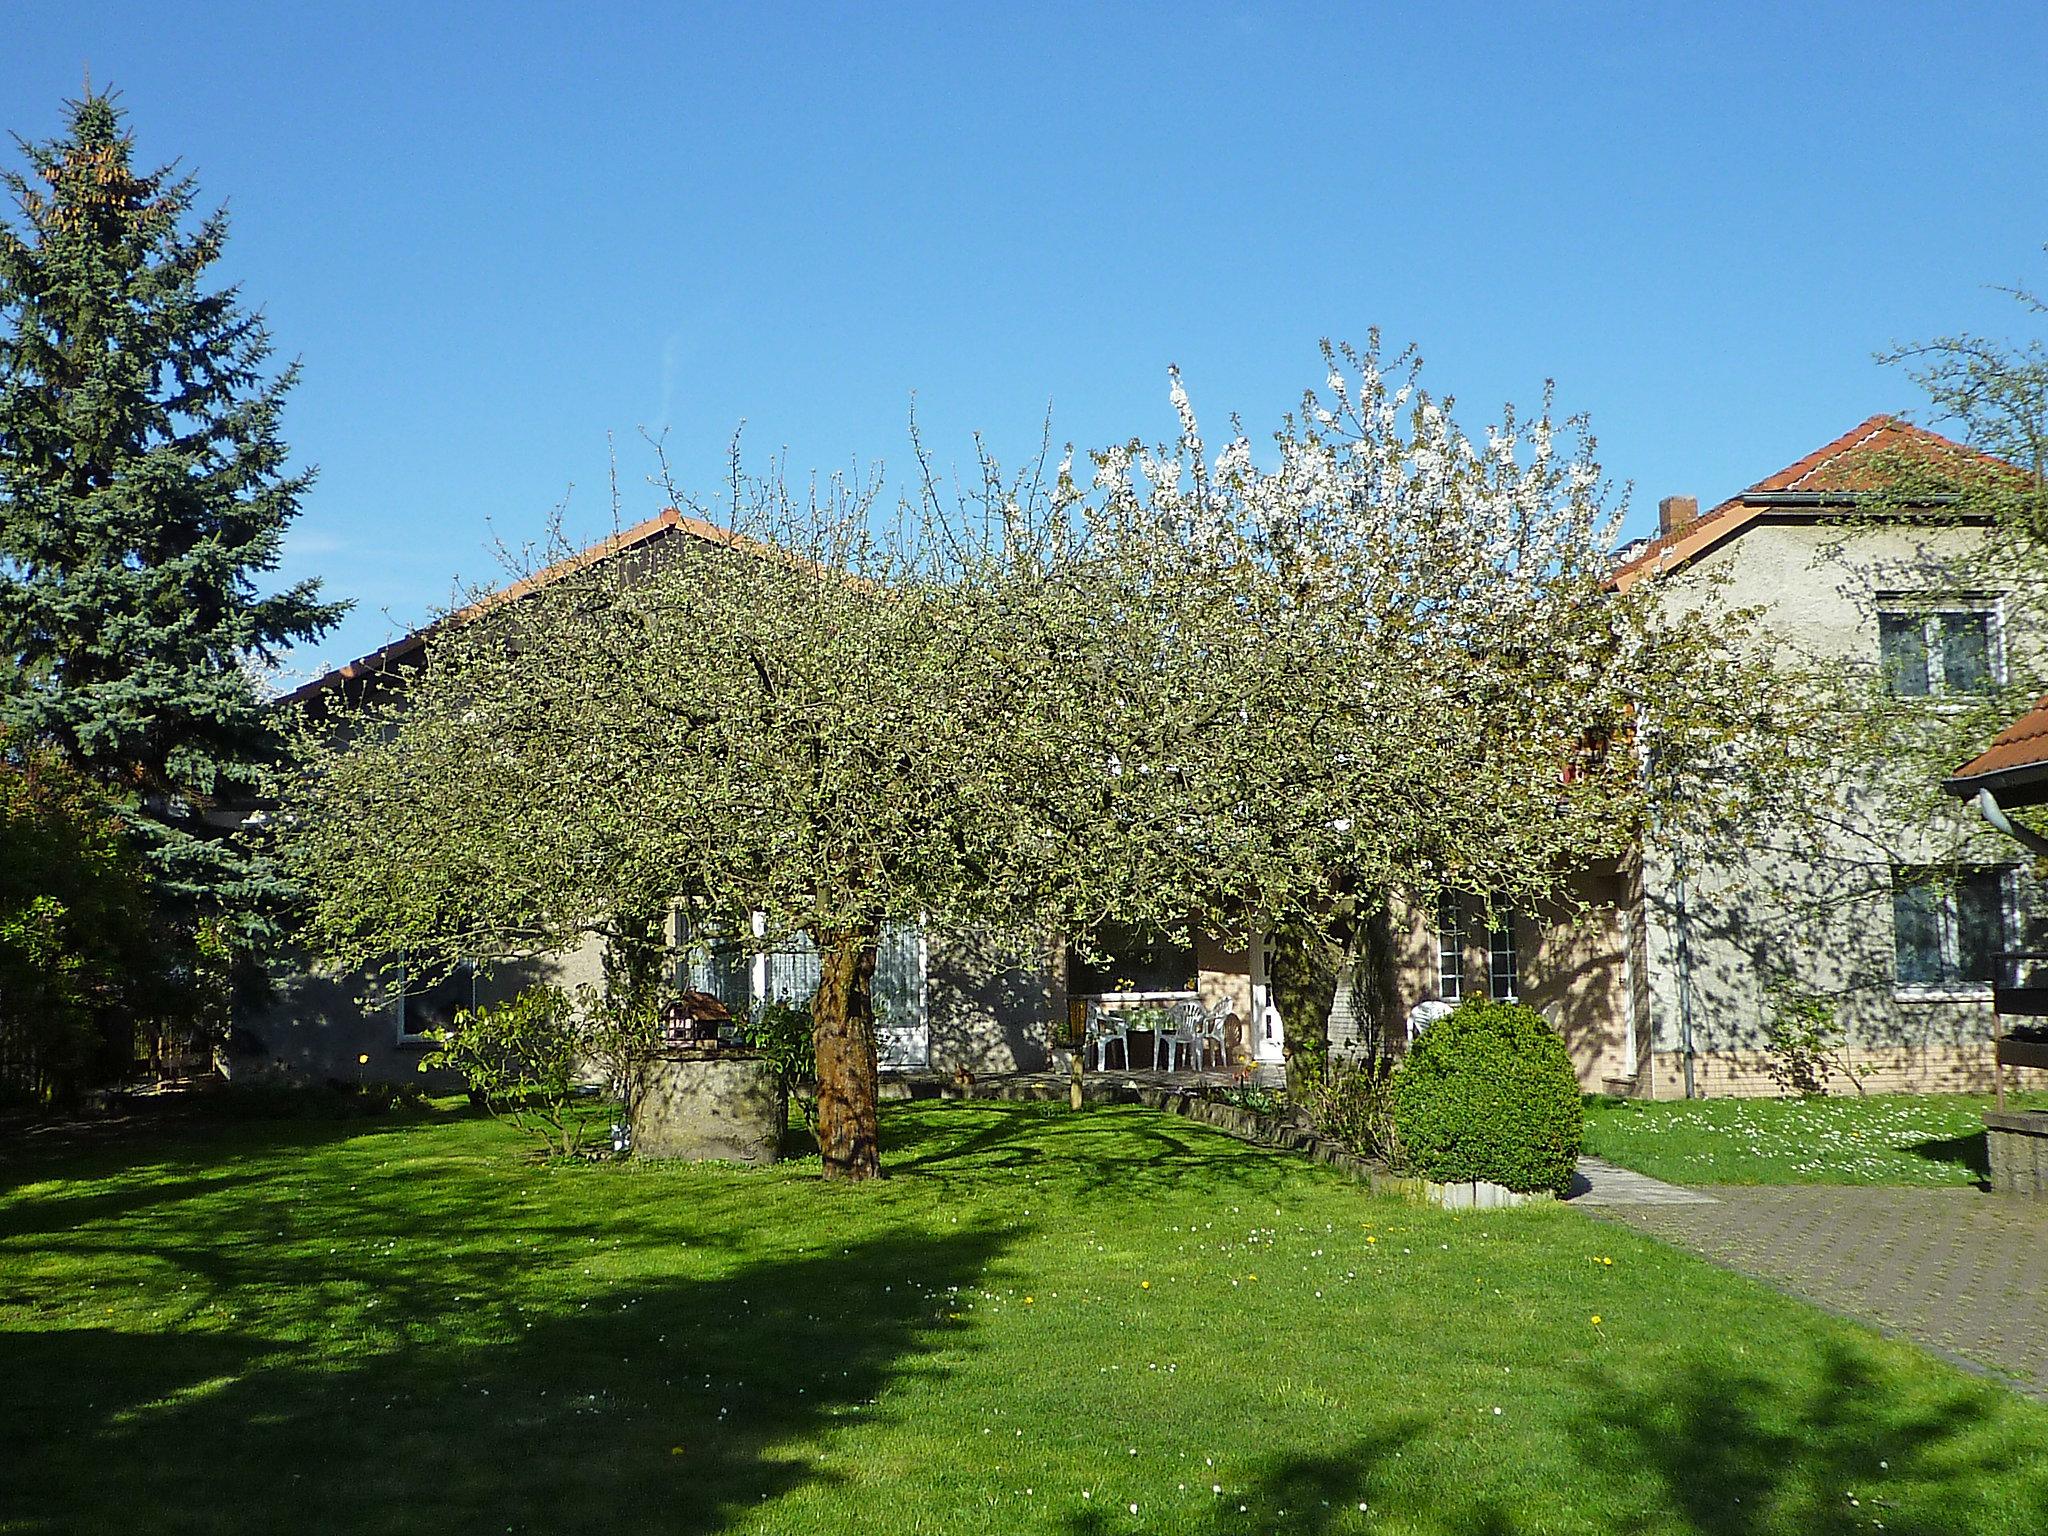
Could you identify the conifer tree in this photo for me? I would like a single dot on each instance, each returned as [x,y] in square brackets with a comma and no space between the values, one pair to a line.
[144,494]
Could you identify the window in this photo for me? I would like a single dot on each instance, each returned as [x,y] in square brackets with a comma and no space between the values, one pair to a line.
[1450,952]
[1502,984]
[1929,651]
[1947,928]
[744,975]
[419,1011]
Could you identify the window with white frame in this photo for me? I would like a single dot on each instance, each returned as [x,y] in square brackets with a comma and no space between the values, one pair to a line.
[1503,984]
[418,1010]
[745,975]
[1948,927]
[1932,648]
[1450,951]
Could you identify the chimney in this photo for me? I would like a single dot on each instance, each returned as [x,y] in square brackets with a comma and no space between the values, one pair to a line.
[1674,512]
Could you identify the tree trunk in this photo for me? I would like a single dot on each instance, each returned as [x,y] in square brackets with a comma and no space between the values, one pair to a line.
[1308,961]
[1302,968]
[843,1022]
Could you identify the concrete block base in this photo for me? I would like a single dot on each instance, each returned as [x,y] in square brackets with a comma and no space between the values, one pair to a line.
[2017,1144]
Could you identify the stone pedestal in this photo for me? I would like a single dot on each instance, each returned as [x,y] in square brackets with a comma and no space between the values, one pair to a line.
[2017,1143]
[709,1107]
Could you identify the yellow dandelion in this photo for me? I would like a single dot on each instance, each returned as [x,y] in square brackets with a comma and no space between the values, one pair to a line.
[1144,1285]
[1596,1317]
[363,1060]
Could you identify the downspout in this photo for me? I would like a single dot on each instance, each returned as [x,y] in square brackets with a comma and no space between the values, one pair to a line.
[1989,808]
[1684,976]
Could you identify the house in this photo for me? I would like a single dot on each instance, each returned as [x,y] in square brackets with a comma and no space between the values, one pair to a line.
[944,1000]
[1660,976]
[1894,912]
[1665,981]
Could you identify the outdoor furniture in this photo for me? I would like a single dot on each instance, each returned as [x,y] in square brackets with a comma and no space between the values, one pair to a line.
[1185,1022]
[1105,1026]
[1215,1031]
[1426,1013]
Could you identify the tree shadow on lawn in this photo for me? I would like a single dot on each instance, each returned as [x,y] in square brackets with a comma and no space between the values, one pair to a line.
[1716,1451]
[1134,1150]
[669,1406]
[1728,1450]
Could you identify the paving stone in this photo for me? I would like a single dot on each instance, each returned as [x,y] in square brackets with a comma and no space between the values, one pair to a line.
[1960,1270]
[1601,1183]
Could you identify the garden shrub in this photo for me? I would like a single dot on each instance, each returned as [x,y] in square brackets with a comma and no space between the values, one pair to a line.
[784,1035]
[1355,1105]
[1489,1093]
[1801,1040]
[81,957]
[525,1060]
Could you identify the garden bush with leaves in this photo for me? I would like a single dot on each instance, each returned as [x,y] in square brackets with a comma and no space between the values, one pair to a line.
[526,1059]
[784,1036]
[1489,1093]
[1802,1040]
[1355,1105]
[80,960]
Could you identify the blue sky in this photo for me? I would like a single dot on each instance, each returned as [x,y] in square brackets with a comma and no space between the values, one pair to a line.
[496,234]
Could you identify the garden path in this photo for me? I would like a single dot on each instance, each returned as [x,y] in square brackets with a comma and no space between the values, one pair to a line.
[1960,1271]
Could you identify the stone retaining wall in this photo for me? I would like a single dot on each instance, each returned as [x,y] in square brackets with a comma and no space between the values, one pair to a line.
[1244,1124]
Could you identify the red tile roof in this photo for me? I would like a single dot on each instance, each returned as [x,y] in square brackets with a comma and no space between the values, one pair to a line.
[2021,745]
[667,522]
[1849,464]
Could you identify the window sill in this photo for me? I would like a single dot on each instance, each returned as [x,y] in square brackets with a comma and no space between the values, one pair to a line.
[1941,994]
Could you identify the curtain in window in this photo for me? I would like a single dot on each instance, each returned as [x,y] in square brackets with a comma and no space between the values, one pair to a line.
[793,972]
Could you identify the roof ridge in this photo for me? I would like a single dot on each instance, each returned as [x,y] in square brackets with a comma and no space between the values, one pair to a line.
[647,530]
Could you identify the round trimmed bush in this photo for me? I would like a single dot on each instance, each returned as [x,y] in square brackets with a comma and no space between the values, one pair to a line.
[1489,1093]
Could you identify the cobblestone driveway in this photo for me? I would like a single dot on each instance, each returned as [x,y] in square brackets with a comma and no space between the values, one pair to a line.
[1957,1269]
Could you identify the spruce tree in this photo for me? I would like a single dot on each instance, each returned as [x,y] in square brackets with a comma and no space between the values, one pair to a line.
[144,494]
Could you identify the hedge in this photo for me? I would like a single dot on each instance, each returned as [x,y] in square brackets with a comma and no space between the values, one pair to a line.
[1489,1093]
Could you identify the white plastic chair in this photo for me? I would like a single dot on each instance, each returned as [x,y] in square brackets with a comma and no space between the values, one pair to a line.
[1104,1027]
[1215,1030]
[1183,1032]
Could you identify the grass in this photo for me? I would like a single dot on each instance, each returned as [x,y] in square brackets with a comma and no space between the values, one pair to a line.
[1914,1139]
[1040,1321]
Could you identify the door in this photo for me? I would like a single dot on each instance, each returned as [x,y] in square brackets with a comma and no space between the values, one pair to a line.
[903,1033]
[903,1037]
[1268,1040]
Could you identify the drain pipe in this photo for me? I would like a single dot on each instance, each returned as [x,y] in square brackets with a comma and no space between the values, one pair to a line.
[1684,977]
[1989,808]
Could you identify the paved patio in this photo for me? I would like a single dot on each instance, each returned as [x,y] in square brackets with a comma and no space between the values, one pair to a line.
[1962,1272]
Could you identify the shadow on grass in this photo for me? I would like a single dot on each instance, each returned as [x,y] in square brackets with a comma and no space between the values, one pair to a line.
[1969,1152]
[669,1406]
[1715,1451]
[1123,1147]
[1733,1451]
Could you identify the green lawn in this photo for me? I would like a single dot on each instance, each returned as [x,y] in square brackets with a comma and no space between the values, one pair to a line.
[1040,1321]
[1883,1139]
